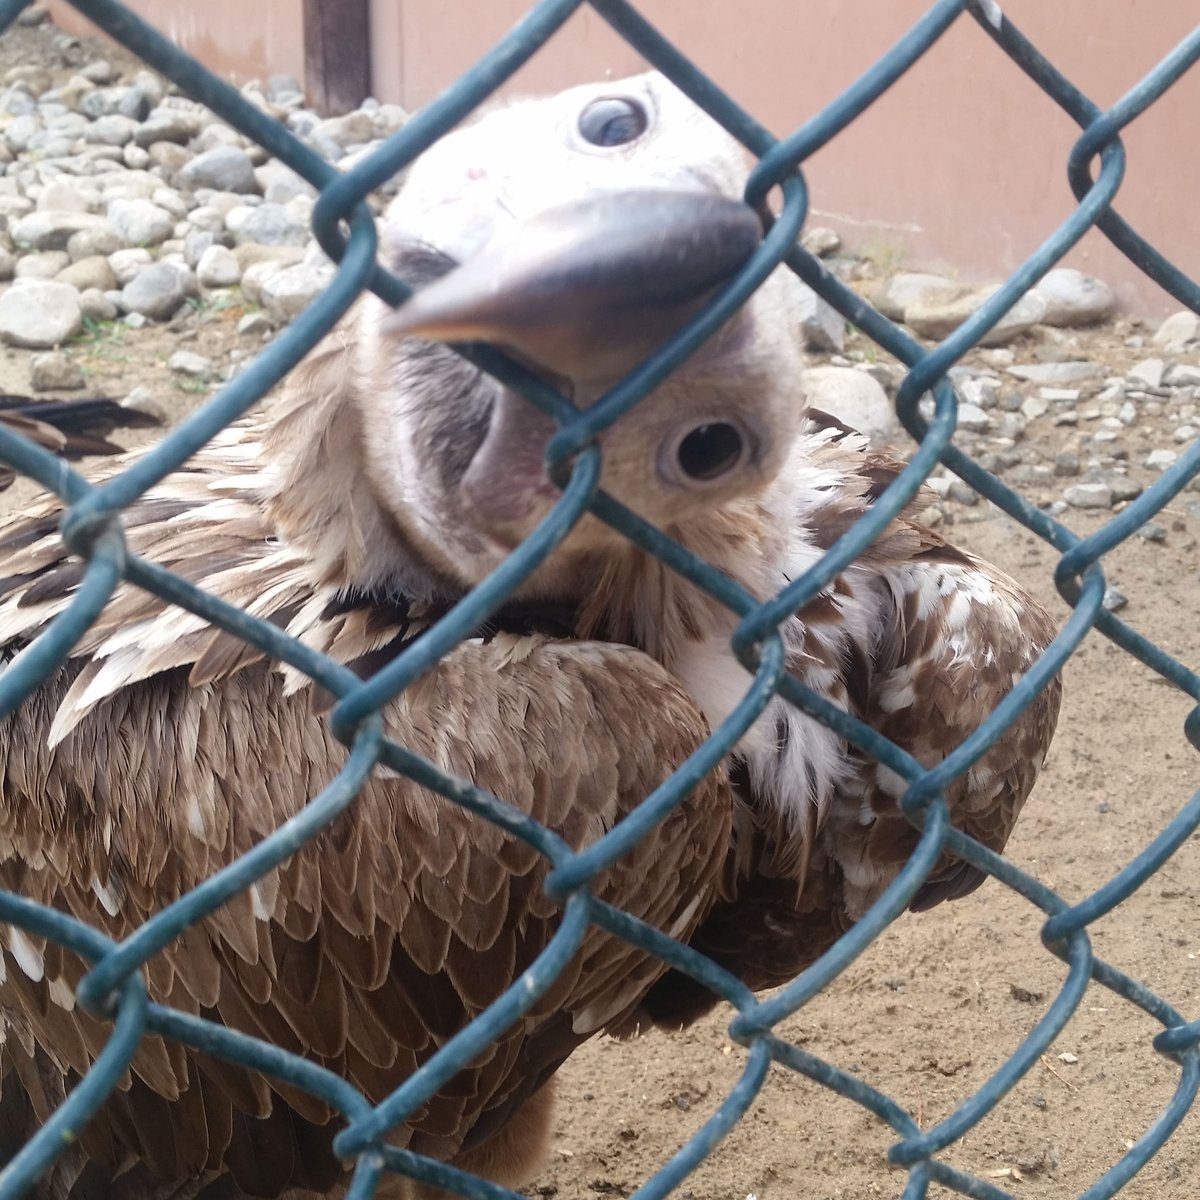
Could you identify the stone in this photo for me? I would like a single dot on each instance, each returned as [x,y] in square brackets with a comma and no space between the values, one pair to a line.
[140,222]
[1152,531]
[225,168]
[52,230]
[288,292]
[938,312]
[894,297]
[250,254]
[127,263]
[143,400]
[255,324]
[92,272]
[1186,433]
[1114,599]
[972,418]
[135,157]
[350,130]
[267,225]
[38,314]
[113,130]
[54,371]
[8,264]
[87,243]
[1055,373]
[1160,460]
[1060,396]
[168,157]
[279,183]
[1088,495]
[1149,371]
[157,291]
[1073,299]
[1033,407]
[42,266]
[1182,375]
[1180,328]
[818,240]
[1066,463]
[822,327]
[64,196]
[983,392]
[168,125]
[855,398]
[218,267]
[96,306]
[188,362]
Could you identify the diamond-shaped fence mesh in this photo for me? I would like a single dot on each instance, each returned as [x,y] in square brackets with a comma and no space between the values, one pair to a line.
[345,228]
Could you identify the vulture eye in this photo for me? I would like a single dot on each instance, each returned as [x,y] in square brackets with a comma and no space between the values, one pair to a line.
[613,121]
[711,451]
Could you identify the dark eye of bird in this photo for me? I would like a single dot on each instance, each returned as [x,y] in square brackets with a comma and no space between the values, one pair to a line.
[710,451]
[613,121]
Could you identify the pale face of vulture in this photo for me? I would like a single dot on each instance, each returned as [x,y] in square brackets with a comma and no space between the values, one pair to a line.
[576,232]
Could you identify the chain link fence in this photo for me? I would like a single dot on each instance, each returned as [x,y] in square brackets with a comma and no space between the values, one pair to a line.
[346,230]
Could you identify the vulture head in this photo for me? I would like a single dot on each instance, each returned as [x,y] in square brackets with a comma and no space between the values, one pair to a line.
[576,233]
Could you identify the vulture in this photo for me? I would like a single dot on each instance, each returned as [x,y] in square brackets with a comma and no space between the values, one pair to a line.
[389,476]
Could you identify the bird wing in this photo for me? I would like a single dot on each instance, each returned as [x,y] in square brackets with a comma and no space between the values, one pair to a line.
[951,636]
[373,944]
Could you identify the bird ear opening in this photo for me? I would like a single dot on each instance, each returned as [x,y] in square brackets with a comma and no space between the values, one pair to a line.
[588,289]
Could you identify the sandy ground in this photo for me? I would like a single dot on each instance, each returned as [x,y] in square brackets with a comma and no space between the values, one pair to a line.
[939,1002]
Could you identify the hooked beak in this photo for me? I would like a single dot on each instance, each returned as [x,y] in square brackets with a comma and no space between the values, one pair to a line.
[584,291]
[587,290]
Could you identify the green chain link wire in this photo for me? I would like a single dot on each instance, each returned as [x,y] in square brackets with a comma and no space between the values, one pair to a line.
[92,529]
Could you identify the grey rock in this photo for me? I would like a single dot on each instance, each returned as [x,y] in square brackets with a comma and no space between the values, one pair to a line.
[855,398]
[1057,372]
[818,240]
[1127,413]
[280,183]
[287,292]
[282,85]
[157,291]
[98,71]
[168,125]
[198,241]
[267,225]
[103,102]
[39,314]
[1073,298]
[894,297]
[255,324]
[1149,371]
[170,201]
[21,131]
[65,195]
[1186,433]
[96,306]
[1066,464]
[971,417]
[1160,460]
[1152,531]
[100,239]
[169,158]
[207,218]
[226,169]
[34,14]
[218,267]
[188,362]
[1033,407]
[1114,599]
[350,130]
[143,400]
[1180,328]
[1088,495]
[140,222]
[127,263]
[113,130]
[1060,396]
[938,312]
[42,266]
[983,392]
[136,103]
[1182,375]
[54,371]
[135,157]
[52,230]
[92,272]
[822,327]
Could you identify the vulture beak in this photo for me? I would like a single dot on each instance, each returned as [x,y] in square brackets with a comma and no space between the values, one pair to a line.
[583,291]
[586,290]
